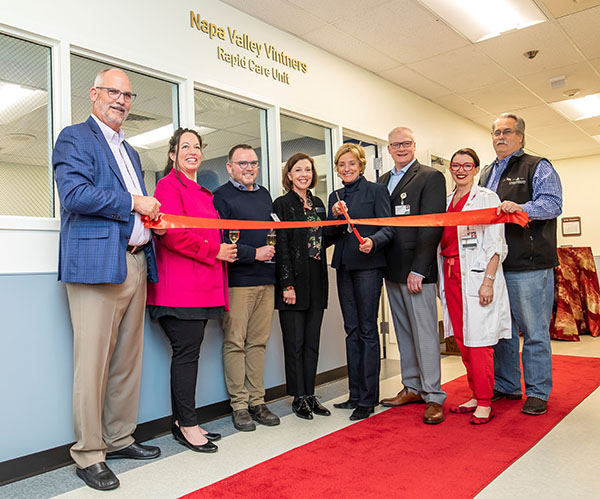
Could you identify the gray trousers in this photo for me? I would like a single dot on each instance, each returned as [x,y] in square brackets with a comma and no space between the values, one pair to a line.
[415,322]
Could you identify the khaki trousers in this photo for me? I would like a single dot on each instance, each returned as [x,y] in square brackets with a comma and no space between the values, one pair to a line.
[108,332]
[247,327]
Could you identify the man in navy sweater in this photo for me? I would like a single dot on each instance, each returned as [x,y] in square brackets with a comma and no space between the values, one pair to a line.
[247,324]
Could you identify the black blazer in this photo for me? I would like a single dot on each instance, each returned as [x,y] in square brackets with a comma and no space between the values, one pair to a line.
[369,201]
[291,252]
[414,248]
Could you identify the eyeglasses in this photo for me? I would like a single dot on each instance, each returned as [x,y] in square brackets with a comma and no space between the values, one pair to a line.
[499,133]
[465,166]
[253,165]
[397,145]
[115,93]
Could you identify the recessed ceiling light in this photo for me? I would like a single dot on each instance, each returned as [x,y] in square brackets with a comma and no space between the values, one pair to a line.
[579,109]
[479,20]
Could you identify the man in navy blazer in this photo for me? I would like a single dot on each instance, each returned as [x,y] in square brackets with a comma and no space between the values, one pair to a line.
[411,276]
[105,257]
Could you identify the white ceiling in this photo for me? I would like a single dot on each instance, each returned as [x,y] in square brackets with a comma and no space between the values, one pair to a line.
[405,43]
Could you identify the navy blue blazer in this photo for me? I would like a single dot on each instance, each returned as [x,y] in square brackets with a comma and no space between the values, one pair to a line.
[96,216]
[369,201]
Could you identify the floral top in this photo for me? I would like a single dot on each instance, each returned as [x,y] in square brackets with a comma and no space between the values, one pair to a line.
[315,234]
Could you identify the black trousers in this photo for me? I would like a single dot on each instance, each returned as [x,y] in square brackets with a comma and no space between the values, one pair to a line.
[186,337]
[301,330]
[359,292]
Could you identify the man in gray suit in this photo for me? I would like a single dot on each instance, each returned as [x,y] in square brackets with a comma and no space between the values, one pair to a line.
[411,276]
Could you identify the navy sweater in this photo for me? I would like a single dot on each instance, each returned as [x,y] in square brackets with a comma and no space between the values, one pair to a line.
[234,204]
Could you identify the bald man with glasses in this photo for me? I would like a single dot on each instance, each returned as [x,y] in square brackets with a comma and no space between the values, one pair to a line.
[411,276]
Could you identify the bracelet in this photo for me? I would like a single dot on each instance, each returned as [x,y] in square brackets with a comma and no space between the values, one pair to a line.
[488,285]
[490,277]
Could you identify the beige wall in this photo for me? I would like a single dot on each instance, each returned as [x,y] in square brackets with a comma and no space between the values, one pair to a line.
[580,179]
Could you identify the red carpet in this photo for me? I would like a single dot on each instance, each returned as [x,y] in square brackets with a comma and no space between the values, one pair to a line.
[393,454]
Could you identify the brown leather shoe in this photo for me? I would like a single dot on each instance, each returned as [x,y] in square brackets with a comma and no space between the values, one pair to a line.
[434,413]
[404,397]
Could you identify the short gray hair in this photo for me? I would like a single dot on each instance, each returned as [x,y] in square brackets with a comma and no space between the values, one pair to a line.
[519,124]
[401,129]
[100,77]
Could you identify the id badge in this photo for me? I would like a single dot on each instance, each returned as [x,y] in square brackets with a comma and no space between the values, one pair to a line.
[469,240]
[402,209]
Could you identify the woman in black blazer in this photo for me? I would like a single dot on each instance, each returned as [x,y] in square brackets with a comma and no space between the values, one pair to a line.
[301,286]
[359,275]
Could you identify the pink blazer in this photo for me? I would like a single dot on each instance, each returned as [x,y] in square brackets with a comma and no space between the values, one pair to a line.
[189,275]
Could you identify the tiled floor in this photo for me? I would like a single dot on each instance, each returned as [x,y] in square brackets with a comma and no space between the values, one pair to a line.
[562,464]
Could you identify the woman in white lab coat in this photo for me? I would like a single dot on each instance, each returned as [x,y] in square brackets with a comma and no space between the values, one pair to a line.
[472,287]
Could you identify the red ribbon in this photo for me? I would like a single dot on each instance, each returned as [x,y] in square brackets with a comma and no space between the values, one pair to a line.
[486,216]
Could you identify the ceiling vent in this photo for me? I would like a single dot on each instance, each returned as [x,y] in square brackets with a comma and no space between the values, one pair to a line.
[558,82]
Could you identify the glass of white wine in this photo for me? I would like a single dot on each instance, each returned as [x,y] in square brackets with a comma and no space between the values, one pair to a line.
[234,235]
[271,241]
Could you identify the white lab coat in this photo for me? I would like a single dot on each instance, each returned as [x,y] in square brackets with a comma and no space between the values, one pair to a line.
[482,326]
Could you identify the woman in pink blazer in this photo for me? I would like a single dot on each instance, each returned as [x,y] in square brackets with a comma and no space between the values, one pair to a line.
[192,282]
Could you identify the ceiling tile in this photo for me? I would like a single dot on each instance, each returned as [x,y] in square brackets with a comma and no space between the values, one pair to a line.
[596,64]
[279,13]
[567,133]
[539,116]
[459,105]
[460,70]
[414,82]
[332,11]
[583,30]
[555,49]
[591,125]
[386,28]
[559,8]
[501,97]
[349,48]
[579,76]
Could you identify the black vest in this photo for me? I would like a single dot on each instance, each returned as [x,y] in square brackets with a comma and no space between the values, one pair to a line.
[532,247]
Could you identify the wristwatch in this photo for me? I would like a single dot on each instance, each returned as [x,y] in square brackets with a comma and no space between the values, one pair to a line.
[490,277]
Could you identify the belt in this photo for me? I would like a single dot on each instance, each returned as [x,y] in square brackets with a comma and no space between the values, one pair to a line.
[136,249]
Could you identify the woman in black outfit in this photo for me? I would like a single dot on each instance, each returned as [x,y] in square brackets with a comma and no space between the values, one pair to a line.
[301,285]
[359,275]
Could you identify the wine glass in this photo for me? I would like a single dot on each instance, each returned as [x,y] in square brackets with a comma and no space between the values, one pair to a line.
[271,241]
[234,235]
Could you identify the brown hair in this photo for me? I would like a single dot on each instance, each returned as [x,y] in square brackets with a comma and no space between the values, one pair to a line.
[290,163]
[469,152]
[236,147]
[356,150]
[174,148]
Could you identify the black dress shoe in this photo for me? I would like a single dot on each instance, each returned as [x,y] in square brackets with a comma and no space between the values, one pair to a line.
[135,451]
[361,413]
[213,437]
[316,407]
[349,404]
[98,476]
[261,414]
[301,408]
[180,437]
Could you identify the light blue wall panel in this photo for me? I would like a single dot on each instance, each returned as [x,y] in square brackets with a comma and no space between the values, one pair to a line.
[36,364]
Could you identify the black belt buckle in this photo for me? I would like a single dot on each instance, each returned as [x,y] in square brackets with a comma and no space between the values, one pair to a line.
[134,250]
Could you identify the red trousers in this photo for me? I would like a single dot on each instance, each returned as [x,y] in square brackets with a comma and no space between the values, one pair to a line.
[479,361]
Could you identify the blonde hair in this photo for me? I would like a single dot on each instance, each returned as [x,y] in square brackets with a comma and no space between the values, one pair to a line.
[357,151]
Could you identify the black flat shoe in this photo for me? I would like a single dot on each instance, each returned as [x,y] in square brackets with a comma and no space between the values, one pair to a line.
[213,437]
[361,413]
[316,407]
[98,476]
[135,451]
[349,404]
[180,437]
[301,408]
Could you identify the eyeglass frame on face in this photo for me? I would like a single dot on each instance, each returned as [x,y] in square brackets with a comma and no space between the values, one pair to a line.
[397,145]
[128,96]
[467,167]
[500,133]
[245,164]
